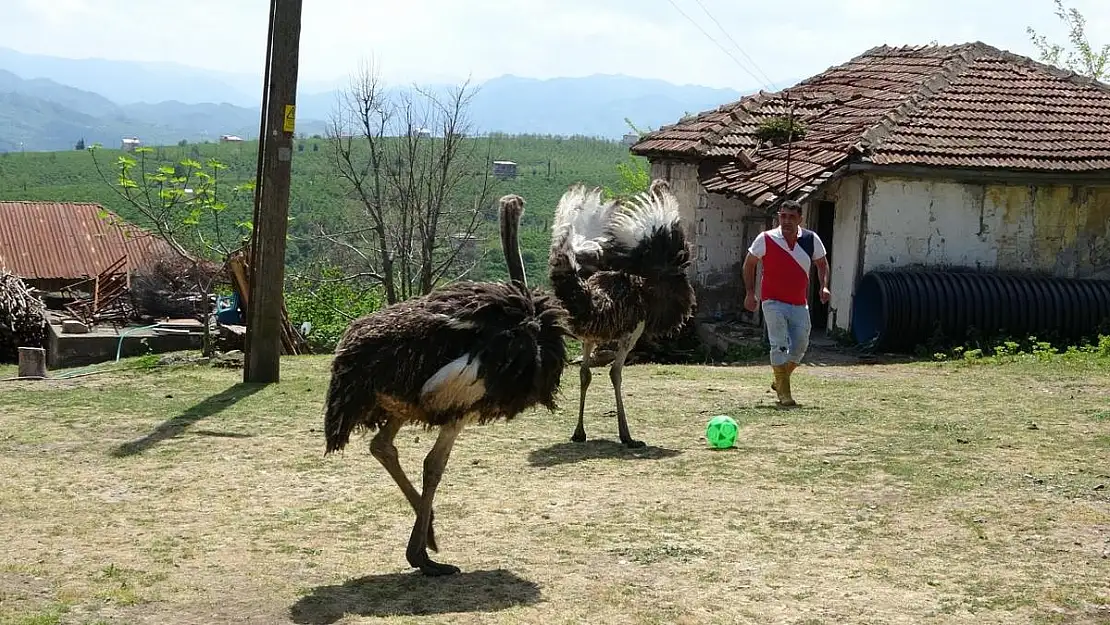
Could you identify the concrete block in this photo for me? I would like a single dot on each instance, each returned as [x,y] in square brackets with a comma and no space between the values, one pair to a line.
[73,326]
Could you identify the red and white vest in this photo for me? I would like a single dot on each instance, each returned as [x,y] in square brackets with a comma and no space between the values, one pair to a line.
[786,270]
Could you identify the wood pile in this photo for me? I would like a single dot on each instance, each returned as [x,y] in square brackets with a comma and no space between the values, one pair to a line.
[169,286]
[22,318]
[108,301]
[292,343]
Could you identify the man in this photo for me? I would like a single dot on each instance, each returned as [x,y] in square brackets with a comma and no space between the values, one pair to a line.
[786,252]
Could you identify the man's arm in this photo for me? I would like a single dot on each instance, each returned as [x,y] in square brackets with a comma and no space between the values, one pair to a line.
[750,264]
[823,271]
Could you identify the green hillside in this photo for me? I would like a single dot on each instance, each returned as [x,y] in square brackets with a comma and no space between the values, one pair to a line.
[546,167]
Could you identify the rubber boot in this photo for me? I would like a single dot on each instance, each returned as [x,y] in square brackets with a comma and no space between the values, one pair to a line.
[790,367]
[782,385]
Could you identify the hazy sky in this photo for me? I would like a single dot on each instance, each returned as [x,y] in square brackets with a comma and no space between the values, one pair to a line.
[451,39]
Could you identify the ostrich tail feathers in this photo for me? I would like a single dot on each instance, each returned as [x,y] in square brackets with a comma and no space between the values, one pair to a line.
[348,396]
[577,245]
[579,229]
[646,234]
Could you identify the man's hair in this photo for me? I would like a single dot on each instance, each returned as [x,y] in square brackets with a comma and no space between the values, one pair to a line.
[791,205]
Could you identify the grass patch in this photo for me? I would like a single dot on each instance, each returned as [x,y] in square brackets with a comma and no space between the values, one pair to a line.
[931,492]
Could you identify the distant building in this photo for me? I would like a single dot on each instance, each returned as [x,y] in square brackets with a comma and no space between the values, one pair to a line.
[230,139]
[504,169]
[129,144]
[630,139]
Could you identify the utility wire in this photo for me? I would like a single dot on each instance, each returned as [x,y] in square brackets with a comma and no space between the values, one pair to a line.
[759,69]
[710,37]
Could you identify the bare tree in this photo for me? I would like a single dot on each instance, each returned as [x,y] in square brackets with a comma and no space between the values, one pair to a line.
[421,187]
[1083,58]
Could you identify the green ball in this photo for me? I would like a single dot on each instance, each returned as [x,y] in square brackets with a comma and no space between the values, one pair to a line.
[721,432]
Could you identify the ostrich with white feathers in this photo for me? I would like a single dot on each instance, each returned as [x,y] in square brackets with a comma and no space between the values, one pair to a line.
[619,268]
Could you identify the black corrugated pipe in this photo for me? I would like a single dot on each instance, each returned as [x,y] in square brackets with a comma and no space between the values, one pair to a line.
[899,310]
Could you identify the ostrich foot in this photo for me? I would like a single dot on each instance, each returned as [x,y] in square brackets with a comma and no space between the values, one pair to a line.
[432,568]
[579,436]
[633,443]
[438,569]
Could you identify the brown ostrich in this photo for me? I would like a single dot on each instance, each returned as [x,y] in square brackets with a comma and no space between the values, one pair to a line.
[619,267]
[470,352]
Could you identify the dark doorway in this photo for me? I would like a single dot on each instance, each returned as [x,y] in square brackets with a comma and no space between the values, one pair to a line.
[821,221]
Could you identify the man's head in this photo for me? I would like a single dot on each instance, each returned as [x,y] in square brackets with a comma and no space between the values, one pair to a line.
[790,216]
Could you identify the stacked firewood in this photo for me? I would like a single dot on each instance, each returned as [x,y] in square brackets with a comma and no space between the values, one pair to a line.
[22,318]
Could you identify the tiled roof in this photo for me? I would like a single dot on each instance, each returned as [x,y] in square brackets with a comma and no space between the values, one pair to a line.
[968,106]
[53,240]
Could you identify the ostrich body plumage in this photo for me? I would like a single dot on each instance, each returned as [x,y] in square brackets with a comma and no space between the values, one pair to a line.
[467,353]
[470,351]
[619,268]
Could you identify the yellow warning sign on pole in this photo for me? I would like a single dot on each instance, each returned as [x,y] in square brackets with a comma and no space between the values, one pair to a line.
[290,118]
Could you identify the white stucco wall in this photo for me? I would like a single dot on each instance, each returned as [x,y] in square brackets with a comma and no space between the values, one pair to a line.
[683,178]
[1061,230]
[1056,229]
[719,234]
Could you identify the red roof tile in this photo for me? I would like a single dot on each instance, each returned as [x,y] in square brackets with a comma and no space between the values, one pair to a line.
[51,240]
[971,106]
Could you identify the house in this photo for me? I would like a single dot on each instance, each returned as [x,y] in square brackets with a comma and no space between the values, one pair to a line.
[128,144]
[52,245]
[504,169]
[230,139]
[962,156]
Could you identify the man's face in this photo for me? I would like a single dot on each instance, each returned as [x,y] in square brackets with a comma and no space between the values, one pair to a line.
[789,219]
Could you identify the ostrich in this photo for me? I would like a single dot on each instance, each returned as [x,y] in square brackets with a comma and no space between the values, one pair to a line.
[619,268]
[471,352]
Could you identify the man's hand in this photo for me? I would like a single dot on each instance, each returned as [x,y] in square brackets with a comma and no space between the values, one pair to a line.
[826,295]
[749,302]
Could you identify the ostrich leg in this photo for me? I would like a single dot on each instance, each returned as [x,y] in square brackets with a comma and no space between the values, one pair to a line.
[584,377]
[625,346]
[434,463]
[382,448]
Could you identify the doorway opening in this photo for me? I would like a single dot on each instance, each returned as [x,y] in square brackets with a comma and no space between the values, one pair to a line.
[823,215]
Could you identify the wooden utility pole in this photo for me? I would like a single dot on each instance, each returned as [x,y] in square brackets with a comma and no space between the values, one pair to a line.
[271,206]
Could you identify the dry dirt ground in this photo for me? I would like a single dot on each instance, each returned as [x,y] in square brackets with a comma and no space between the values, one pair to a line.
[897,493]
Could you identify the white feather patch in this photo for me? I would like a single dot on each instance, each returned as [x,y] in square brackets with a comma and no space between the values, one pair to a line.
[582,216]
[455,385]
[646,214]
[455,323]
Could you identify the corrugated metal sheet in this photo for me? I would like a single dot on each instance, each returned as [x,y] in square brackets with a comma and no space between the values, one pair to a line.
[68,240]
[969,105]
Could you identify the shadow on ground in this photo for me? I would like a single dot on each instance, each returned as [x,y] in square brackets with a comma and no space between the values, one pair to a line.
[594,449]
[177,425]
[413,594]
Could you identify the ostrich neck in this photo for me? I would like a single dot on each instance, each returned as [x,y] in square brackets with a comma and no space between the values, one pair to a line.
[511,247]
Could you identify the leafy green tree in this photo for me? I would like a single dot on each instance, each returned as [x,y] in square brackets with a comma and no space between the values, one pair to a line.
[185,206]
[329,302]
[633,177]
[1084,58]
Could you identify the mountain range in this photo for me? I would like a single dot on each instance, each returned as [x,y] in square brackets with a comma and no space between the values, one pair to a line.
[49,103]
